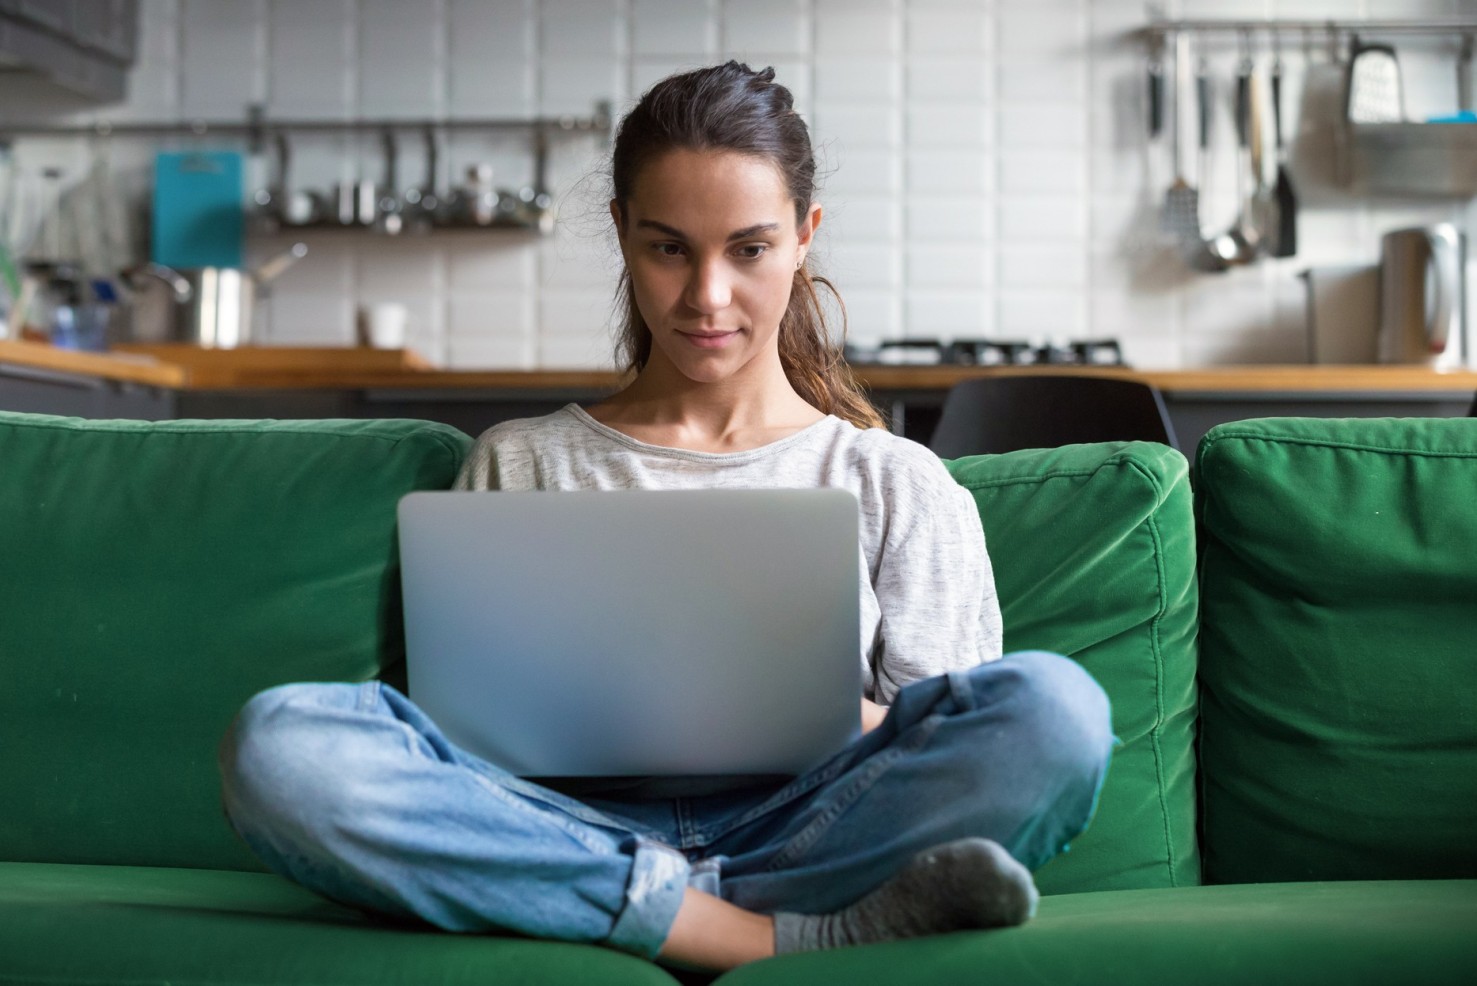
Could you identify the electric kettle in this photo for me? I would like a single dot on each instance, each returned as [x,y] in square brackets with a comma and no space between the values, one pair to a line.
[1422,302]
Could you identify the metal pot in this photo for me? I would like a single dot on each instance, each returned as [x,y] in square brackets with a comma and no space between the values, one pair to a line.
[214,307]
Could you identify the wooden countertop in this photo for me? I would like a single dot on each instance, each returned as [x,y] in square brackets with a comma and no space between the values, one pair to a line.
[272,367]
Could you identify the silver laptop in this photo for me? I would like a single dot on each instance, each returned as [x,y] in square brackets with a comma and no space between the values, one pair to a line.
[635,632]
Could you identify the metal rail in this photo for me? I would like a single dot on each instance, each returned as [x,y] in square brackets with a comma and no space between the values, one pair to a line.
[1433,25]
[1332,32]
[256,126]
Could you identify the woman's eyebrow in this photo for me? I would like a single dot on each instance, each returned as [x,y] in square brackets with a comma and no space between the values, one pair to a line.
[677,234]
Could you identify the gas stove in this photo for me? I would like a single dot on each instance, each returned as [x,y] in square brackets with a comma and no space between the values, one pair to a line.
[987,352]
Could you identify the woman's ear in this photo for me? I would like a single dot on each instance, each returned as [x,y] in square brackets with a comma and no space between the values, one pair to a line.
[615,215]
[806,232]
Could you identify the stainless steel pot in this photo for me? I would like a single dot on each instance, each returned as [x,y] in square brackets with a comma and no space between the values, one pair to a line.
[214,307]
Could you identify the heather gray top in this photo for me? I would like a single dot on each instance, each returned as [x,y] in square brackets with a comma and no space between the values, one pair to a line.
[928,600]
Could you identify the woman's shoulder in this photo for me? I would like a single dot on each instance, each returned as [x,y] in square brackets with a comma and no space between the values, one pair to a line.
[518,434]
[880,446]
[896,464]
[504,456]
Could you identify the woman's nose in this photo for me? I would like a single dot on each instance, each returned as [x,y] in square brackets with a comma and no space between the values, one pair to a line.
[708,290]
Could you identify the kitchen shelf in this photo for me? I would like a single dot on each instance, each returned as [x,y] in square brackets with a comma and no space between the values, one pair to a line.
[1413,158]
[258,130]
[256,227]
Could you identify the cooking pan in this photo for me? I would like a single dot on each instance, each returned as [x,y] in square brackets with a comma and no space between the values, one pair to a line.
[214,307]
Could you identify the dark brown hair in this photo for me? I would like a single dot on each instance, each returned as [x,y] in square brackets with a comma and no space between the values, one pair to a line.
[731,107]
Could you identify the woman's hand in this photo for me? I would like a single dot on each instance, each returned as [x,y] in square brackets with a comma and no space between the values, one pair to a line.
[872,715]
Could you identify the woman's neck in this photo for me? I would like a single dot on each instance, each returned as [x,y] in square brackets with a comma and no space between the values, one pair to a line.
[662,407]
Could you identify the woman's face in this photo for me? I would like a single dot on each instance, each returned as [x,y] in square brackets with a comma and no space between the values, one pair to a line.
[711,243]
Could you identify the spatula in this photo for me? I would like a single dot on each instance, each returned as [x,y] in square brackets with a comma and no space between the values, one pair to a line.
[1285,236]
[1181,217]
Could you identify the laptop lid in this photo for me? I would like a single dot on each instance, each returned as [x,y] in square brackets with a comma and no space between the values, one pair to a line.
[635,632]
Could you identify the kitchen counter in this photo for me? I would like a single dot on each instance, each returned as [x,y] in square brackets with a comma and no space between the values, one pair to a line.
[158,382]
[265,367]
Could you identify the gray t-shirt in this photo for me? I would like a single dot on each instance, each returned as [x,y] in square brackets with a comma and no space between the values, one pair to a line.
[928,601]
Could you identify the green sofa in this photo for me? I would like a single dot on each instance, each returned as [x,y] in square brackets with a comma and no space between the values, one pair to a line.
[1291,653]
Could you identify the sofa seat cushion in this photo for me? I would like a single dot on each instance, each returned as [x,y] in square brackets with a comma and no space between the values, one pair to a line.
[76,924]
[156,575]
[1337,657]
[1298,934]
[1094,557]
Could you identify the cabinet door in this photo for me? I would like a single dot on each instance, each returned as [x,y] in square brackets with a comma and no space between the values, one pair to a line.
[107,26]
[50,14]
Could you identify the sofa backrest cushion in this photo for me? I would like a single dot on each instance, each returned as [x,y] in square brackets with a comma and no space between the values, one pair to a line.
[1339,649]
[1094,557]
[155,575]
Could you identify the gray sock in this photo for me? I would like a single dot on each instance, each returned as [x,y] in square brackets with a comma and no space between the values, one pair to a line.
[970,883]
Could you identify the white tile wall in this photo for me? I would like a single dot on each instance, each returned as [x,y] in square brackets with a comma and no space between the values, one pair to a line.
[663,28]
[222,44]
[307,45]
[983,162]
[490,57]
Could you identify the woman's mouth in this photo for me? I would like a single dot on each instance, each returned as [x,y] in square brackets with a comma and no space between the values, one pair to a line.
[710,340]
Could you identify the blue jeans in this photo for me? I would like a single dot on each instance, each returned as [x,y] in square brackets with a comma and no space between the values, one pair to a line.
[350,790]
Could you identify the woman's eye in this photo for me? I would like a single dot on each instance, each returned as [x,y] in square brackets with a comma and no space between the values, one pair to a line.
[667,249]
[752,251]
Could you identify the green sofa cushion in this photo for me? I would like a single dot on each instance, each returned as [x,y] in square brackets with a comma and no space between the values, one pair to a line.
[1338,664]
[158,574]
[1311,934]
[1093,552]
[70,924]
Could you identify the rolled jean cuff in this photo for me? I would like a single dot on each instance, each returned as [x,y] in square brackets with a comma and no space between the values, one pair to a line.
[658,882]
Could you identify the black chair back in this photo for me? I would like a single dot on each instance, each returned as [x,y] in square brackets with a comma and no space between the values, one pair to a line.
[1007,413]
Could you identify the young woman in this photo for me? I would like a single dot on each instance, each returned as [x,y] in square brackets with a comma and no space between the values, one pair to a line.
[972,769]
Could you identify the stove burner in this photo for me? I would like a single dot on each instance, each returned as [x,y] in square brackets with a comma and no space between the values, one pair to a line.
[990,352]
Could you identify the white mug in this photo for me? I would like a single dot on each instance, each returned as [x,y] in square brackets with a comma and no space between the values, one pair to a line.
[382,325]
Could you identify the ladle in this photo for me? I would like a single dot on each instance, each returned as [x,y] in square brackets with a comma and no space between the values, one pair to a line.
[1239,244]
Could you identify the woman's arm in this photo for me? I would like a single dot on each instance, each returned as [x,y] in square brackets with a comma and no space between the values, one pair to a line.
[935,586]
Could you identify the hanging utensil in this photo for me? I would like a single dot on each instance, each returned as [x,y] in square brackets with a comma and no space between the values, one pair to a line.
[1373,92]
[387,217]
[1202,254]
[1181,218]
[1263,202]
[424,203]
[1466,109]
[1285,234]
[1156,99]
[1155,105]
[269,203]
[303,207]
[1238,245]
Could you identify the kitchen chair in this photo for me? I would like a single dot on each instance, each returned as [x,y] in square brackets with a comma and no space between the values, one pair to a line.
[1008,413]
